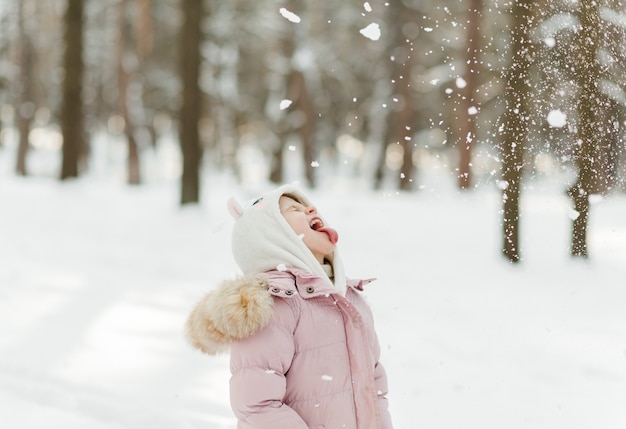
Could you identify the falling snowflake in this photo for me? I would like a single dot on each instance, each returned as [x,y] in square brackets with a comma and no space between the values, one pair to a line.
[502,184]
[327,377]
[367,6]
[573,214]
[372,31]
[289,15]
[557,119]
[460,82]
[472,110]
[595,198]
[281,267]
[315,164]
[292,148]
[285,103]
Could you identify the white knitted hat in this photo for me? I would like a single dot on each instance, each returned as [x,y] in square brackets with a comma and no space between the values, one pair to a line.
[262,240]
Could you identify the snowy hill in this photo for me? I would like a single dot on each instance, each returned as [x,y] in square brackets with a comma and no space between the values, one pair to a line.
[97,278]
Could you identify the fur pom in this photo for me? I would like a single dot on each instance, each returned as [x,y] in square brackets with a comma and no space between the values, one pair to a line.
[235,310]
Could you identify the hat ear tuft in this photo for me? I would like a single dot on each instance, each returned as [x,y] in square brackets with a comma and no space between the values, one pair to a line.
[234,208]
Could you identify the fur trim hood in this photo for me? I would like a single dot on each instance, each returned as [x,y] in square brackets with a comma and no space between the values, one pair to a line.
[241,307]
[235,310]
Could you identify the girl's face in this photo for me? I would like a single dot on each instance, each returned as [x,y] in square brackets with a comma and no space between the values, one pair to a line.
[305,221]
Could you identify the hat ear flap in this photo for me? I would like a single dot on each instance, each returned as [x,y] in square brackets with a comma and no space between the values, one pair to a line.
[234,208]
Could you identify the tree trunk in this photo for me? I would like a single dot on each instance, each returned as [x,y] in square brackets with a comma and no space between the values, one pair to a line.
[124,64]
[516,126]
[191,39]
[303,103]
[144,28]
[607,161]
[72,112]
[404,130]
[26,108]
[400,120]
[590,107]
[299,118]
[467,122]
[381,167]
[276,168]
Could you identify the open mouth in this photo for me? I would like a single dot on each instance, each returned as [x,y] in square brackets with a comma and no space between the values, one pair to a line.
[318,225]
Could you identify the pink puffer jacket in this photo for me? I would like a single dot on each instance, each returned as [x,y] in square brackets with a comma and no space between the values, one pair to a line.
[302,356]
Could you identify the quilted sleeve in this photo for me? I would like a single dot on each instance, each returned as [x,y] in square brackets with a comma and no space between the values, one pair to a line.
[258,366]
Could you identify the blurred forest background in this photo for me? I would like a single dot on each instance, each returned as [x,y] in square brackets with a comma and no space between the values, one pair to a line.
[493,92]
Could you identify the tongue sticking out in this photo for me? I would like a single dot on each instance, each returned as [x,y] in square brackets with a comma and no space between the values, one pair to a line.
[332,234]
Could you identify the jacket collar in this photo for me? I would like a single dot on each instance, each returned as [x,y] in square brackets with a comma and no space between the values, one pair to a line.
[240,307]
[308,285]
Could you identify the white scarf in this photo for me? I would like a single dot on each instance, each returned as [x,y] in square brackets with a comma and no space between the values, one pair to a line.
[262,240]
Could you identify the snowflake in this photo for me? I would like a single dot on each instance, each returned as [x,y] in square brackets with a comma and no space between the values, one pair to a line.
[290,16]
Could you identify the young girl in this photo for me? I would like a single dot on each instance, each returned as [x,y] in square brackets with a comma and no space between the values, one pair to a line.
[303,350]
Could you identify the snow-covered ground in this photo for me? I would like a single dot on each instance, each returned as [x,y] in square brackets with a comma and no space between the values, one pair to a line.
[97,278]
